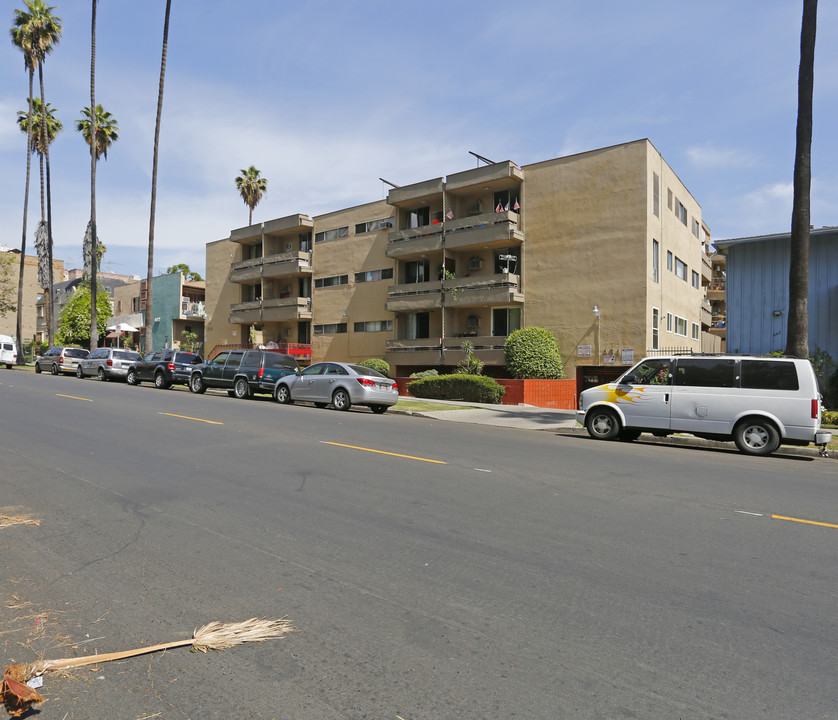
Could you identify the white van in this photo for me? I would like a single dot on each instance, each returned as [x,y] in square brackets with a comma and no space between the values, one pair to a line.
[8,351]
[758,402]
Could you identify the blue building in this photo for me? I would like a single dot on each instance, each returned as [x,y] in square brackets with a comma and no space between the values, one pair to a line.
[757,292]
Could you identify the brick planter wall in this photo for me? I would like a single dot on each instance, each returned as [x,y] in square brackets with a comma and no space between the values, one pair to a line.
[559,394]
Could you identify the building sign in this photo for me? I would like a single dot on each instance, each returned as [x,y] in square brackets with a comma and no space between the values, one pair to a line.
[609,359]
[584,350]
[628,356]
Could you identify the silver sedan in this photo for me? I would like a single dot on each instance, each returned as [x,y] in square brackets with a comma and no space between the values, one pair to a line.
[340,384]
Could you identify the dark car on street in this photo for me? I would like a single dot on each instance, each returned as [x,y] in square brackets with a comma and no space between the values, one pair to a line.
[164,368]
[243,373]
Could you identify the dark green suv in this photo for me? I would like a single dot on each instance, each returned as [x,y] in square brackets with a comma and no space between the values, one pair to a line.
[243,373]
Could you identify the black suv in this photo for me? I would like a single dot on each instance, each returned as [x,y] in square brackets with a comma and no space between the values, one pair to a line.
[165,367]
[243,372]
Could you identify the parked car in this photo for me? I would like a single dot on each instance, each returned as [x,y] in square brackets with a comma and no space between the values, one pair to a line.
[339,384]
[60,359]
[8,351]
[758,402]
[164,367]
[243,372]
[107,363]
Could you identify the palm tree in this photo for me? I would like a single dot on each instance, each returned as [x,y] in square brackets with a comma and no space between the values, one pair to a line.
[797,342]
[149,328]
[90,243]
[252,186]
[36,32]
[107,129]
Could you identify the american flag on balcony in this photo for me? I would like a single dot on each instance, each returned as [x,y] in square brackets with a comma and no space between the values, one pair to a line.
[450,214]
[499,208]
[516,206]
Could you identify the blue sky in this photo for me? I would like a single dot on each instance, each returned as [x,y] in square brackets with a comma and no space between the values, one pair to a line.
[326,97]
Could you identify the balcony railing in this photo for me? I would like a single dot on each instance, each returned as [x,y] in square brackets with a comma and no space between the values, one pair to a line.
[489,229]
[423,351]
[270,266]
[462,292]
[271,310]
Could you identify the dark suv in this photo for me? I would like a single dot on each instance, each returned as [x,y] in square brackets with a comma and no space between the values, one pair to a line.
[165,367]
[243,372]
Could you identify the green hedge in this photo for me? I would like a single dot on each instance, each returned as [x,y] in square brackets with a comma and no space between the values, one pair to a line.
[471,388]
[377,364]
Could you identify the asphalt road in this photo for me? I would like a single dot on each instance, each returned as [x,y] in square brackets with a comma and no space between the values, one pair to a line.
[433,569]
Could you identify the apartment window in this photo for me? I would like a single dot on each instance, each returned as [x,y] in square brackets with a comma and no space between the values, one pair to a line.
[656,195]
[251,293]
[695,331]
[373,326]
[696,228]
[332,234]
[681,211]
[135,305]
[656,329]
[505,321]
[668,260]
[417,325]
[417,271]
[251,252]
[331,281]
[419,217]
[373,225]
[669,198]
[305,242]
[668,322]
[680,326]
[330,329]
[372,275]
[695,279]
[656,249]
[681,269]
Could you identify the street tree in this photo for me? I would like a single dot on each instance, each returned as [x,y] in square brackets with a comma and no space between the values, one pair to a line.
[251,185]
[184,270]
[797,342]
[74,321]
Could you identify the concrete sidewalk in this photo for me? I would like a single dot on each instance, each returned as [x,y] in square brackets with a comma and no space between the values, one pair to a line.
[527,417]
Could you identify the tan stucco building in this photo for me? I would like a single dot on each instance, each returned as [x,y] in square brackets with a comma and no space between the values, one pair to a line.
[472,257]
[33,326]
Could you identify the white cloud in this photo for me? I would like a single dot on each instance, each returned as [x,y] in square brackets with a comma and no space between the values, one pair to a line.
[711,157]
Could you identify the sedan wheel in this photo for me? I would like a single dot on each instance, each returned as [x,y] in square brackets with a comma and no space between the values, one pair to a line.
[341,400]
[196,384]
[241,388]
[378,409]
[282,395]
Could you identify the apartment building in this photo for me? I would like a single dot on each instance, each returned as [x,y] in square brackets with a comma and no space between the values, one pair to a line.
[33,324]
[607,249]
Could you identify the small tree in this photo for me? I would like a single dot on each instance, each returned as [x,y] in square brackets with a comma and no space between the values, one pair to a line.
[378,364]
[470,364]
[74,321]
[184,270]
[190,340]
[532,352]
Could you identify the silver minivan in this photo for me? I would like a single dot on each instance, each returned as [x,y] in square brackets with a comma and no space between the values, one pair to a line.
[758,402]
[107,363]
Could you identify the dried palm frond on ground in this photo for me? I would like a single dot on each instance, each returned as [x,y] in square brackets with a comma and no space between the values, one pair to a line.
[9,520]
[18,697]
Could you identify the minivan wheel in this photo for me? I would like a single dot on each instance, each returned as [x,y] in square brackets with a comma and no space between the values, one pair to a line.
[79,373]
[160,381]
[100,374]
[602,424]
[755,436]
[196,384]
[341,400]
[241,388]
[131,379]
[54,369]
[282,395]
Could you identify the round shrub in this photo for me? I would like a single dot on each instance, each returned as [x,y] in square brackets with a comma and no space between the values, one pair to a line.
[424,374]
[381,366]
[532,352]
[471,388]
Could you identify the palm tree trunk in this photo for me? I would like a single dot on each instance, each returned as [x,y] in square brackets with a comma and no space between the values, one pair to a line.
[797,344]
[50,305]
[19,328]
[94,329]
[149,315]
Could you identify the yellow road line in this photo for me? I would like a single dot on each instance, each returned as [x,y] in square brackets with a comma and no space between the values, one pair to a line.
[382,452]
[186,417]
[807,522]
[73,397]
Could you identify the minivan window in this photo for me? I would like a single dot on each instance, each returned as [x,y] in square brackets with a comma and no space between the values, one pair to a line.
[652,372]
[769,375]
[76,353]
[705,372]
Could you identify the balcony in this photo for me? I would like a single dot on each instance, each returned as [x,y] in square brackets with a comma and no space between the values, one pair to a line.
[252,234]
[486,230]
[273,310]
[271,266]
[193,310]
[716,291]
[500,289]
[425,351]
